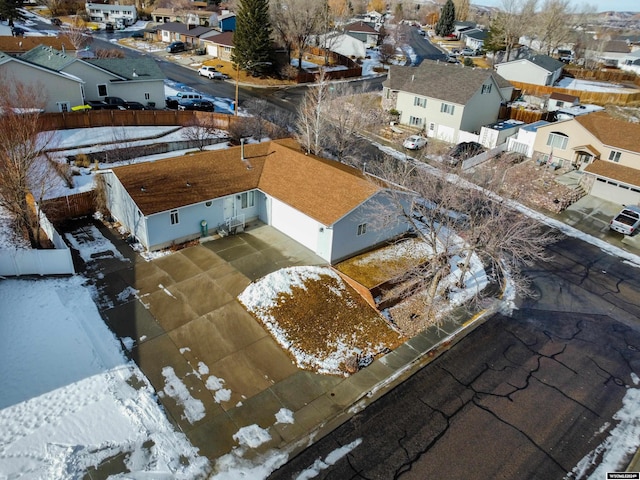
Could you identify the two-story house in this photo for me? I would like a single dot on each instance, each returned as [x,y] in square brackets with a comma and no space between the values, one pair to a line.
[138,79]
[121,15]
[443,99]
[604,148]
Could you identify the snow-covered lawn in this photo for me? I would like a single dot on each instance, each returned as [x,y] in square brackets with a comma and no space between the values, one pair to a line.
[70,399]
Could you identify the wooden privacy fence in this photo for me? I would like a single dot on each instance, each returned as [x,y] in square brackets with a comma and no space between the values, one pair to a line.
[624,97]
[352,69]
[524,115]
[70,206]
[131,118]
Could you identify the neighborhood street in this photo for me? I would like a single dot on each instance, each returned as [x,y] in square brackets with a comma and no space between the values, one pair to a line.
[526,395]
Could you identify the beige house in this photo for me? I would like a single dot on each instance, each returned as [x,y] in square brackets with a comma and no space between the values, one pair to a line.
[444,99]
[604,148]
[538,70]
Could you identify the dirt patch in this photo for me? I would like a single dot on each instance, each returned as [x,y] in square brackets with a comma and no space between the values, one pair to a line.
[323,323]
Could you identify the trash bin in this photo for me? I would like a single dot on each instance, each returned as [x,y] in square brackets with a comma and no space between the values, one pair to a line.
[204,228]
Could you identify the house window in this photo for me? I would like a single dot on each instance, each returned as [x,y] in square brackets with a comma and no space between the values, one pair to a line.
[147,96]
[248,199]
[174,217]
[227,49]
[63,106]
[559,104]
[485,89]
[416,121]
[447,108]
[102,90]
[362,229]
[432,127]
[614,156]
[419,102]
[557,140]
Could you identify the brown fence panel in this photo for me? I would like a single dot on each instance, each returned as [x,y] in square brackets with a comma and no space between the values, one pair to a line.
[71,206]
[119,118]
[626,97]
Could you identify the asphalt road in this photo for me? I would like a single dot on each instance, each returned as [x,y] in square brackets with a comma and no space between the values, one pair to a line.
[423,48]
[524,396]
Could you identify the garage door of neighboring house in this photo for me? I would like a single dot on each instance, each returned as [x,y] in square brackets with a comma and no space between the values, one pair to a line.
[612,191]
[294,224]
[212,50]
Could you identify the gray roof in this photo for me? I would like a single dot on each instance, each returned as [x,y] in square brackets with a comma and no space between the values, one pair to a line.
[545,61]
[183,29]
[441,80]
[130,68]
[477,34]
[48,57]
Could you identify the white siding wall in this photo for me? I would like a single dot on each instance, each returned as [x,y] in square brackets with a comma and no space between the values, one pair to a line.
[135,91]
[295,224]
[482,108]
[523,71]
[347,242]
[54,88]
[446,124]
[124,209]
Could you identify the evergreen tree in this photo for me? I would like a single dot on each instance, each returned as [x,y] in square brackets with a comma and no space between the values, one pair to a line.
[253,50]
[495,38]
[446,22]
[10,10]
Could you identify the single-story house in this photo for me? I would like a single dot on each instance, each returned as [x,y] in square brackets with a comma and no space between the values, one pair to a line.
[181,32]
[124,15]
[537,70]
[631,62]
[611,53]
[343,44]
[475,38]
[460,28]
[191,16]
[134,79]
[364,32]
[330,208]
[603,147]
[444,99]
[59,90]
[218,45]
[561,100]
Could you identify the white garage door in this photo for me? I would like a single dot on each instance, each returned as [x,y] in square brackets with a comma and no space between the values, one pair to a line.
[212,50]
[294,224]
[611,191]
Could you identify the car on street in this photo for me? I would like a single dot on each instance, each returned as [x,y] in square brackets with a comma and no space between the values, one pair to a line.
[627,221]
[207,71]
[173,100]
[137,35]
[414,142]
[175,47]
[196,104]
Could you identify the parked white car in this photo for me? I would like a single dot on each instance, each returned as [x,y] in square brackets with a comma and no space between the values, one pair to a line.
[627,221]
[207,71]
[414,142]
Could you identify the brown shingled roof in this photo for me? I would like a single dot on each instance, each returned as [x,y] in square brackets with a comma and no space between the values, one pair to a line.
[614,171]
[612,131]
[322,189]
[19,45]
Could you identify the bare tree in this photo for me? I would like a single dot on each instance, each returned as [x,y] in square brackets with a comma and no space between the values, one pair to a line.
[462,10]
[348,114]
[109,53]
[76,33]
[513,21]
[200,131]
[296,22]
[312,119]
[458,221]
[25,172]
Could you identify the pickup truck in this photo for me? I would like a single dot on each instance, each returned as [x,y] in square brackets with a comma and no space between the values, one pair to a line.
[627,221]
[172,101]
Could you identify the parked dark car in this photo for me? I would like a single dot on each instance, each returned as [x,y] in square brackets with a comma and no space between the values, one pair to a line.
[18,31]
[196,104]
[174,47]
[100,105]
[56,21]
[137,35]
[465,150]
[134,106]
